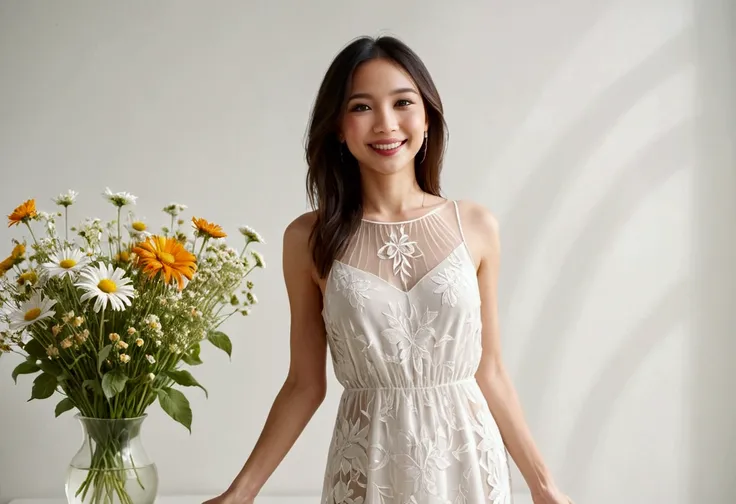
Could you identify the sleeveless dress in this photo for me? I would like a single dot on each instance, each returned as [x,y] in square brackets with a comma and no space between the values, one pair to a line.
[403,321]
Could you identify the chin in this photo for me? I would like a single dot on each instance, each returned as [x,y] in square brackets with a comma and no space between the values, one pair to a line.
[388,166]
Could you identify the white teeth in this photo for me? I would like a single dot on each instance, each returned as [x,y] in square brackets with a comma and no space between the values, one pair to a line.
[386,146]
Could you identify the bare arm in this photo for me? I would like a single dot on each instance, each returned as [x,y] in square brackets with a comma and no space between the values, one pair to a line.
[306,383]
[492,376]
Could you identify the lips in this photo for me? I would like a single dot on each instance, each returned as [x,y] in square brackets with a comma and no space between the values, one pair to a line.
[387,147]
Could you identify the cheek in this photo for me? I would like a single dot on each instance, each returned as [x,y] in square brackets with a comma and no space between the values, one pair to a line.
[353,127]
[415,123]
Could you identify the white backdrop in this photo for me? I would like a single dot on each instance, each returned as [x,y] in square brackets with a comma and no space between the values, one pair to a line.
[600,133]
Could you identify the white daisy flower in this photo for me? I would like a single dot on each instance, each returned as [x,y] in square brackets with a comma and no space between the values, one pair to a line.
[137,228]
[106,284]
[67,199]
[67,262]
[35,309]
[119,199]
[251,234]
[174,209]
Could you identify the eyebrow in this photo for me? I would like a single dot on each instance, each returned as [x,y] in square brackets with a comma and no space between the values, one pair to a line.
[394,92]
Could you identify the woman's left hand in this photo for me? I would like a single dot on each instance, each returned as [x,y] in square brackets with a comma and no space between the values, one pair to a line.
[551,497]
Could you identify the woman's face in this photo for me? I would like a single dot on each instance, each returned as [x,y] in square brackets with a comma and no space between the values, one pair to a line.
[384,121]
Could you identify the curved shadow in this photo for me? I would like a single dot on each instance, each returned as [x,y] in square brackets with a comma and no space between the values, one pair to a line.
[598,407]
[531,81]
[651,168]
[567,158]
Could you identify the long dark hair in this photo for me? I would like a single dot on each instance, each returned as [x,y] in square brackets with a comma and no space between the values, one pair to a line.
[333,177]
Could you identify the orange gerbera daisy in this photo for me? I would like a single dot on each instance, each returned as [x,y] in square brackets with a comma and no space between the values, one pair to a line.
[167,255]
[6,265]
[205,228]
[18,251]
[23,213]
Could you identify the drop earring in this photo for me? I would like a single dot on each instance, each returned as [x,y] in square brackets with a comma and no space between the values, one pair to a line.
[424,156]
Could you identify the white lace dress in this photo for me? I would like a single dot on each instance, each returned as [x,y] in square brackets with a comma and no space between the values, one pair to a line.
[402,311]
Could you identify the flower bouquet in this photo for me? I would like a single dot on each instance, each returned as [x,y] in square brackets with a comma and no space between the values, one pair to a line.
[110,323]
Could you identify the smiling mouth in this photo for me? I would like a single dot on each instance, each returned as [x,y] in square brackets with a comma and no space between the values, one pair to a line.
[388,146]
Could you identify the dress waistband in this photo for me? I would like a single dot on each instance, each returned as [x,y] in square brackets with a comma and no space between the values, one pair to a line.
[464,381]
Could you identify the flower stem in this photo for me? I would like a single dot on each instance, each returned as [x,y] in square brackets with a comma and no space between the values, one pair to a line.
[31,230]
[120,236]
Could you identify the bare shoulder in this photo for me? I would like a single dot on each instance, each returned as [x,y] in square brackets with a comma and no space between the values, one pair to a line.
[477,216]
[481,230]
[296,235]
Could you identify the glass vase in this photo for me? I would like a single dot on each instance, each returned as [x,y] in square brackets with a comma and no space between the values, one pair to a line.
[111,466]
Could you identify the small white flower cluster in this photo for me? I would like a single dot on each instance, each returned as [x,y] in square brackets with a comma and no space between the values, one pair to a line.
[174,209]
[49,222]
[152,326]
[119,199]
[251,235]
[91,232]
[66,199]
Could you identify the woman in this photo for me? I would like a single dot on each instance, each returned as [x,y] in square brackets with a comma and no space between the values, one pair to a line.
[401,284]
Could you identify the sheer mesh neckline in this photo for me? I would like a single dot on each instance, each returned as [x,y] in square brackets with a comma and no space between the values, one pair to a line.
[403,252]
[409,221]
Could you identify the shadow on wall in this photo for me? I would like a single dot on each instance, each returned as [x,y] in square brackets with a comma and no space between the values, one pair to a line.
[654,165]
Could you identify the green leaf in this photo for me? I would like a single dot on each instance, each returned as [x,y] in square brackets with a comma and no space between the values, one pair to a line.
[102,356]
[26,367]
[51,367]
[185,378]
[64,405]
[114,382]
[44,386]
[94,386]
[35,349]
[176,405]
[191,356]
[221,341]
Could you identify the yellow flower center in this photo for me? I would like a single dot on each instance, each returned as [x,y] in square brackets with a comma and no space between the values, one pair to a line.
[139,226]
[107,286]
[32,314]
[166,258]
[28,276]
[67,263]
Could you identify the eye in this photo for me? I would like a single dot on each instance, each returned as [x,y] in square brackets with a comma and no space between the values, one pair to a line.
[404,103]
[360,107]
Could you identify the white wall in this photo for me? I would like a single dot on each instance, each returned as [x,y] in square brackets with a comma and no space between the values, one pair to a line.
[600,133]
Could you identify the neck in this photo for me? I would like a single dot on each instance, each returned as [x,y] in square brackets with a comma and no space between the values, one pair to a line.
[394,194]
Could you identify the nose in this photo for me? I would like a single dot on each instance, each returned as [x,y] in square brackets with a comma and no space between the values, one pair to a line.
[385,120]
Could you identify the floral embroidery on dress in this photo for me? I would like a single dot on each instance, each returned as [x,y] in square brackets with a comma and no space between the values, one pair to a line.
[449,281]
[410,332]
[399,248]
[351,285]
[422,457]
[349,463]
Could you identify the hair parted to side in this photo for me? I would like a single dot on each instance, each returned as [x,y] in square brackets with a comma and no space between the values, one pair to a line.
[333,177]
